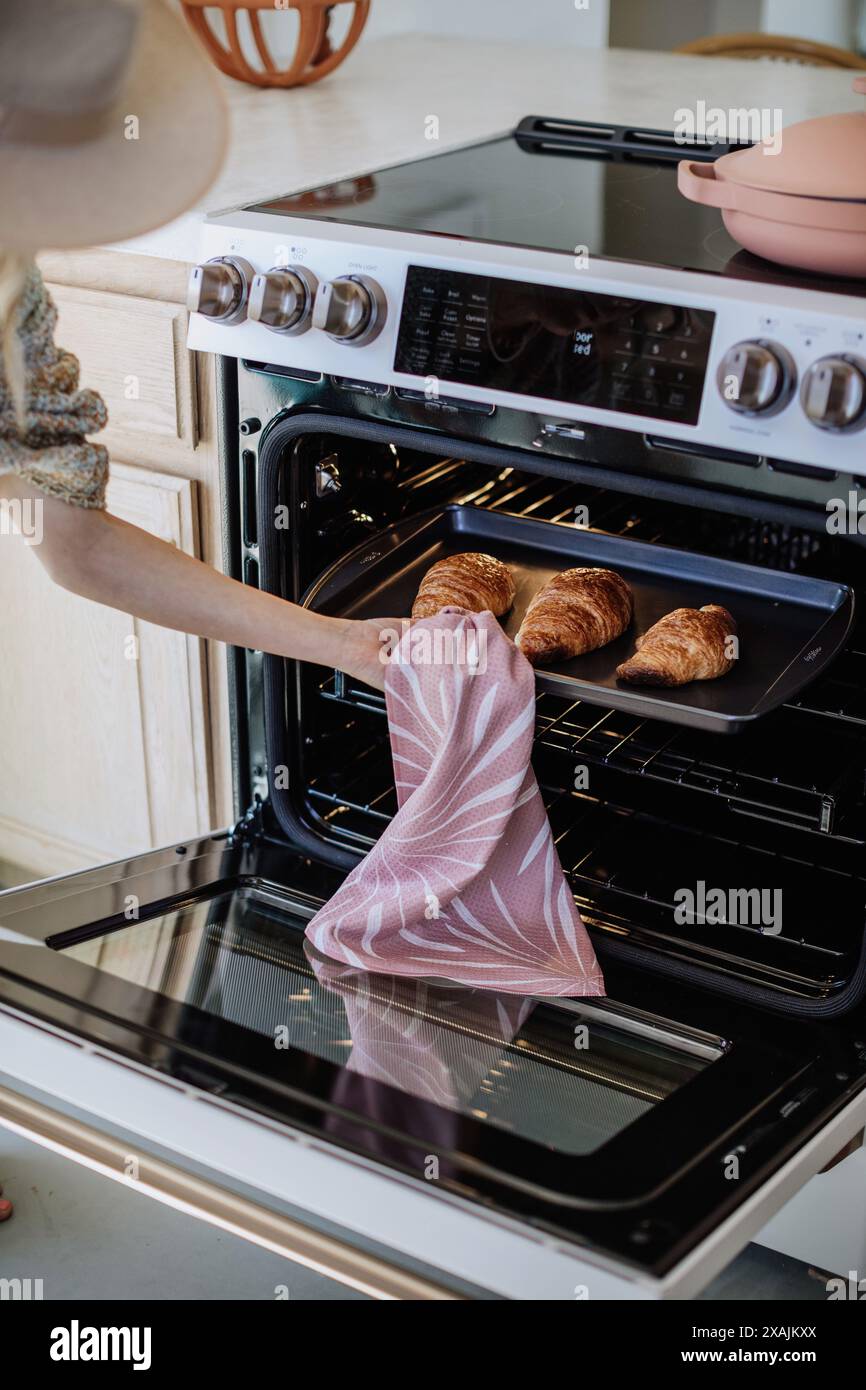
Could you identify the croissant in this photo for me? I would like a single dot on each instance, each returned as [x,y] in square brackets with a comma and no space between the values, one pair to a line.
[689,644]
[574,613]
[474,581]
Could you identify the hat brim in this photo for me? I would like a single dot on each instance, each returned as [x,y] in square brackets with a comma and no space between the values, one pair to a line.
[138,174]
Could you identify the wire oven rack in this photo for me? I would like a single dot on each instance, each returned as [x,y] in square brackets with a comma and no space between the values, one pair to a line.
[822,791]
[625,864]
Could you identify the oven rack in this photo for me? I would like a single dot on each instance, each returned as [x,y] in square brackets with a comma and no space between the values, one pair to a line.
[774,545]
[754,777]
[825,797]
[624,866]
[750,540]
[841,693]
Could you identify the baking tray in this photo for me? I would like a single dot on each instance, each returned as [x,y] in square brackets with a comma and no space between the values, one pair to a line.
[790,627]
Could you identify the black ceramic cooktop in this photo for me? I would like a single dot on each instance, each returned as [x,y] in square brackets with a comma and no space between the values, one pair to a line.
[618,203]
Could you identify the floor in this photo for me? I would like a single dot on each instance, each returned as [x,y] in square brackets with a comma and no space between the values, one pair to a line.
[88,1238]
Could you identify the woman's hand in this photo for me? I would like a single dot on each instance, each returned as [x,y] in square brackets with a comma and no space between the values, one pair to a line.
[366,647]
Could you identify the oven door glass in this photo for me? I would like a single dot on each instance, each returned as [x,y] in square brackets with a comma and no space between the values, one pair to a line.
[633,1124]
[560,1074]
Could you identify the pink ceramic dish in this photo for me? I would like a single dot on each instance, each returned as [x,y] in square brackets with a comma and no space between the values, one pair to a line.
[805,206]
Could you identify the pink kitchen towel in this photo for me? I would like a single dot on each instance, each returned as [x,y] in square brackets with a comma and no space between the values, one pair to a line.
[465,883]
[402,1031]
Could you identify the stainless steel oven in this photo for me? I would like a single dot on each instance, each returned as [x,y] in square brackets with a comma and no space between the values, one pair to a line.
[417,1139]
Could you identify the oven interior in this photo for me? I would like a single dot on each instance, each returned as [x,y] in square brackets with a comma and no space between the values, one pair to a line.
[639,807]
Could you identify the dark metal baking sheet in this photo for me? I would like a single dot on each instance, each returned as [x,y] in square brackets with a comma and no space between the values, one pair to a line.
[790,627]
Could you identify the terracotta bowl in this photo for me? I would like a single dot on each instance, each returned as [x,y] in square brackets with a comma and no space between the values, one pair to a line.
[314,57]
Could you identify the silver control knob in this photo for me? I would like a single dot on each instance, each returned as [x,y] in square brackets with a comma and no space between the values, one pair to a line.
[282,298]
[833,393]
[756,378]
[219,289]
[352,309]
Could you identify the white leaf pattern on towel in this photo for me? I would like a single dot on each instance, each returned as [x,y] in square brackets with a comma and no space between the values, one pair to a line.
[471,836]
[402,1034]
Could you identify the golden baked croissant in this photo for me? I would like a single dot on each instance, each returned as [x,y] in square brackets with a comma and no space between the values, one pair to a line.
[574,613]
[689,644]
[474,581]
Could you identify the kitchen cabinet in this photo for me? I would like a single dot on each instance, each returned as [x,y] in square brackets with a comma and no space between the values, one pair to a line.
[113,729]
[133,352]
[104,746]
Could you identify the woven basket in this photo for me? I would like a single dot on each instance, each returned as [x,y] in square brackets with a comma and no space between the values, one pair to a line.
[314,57]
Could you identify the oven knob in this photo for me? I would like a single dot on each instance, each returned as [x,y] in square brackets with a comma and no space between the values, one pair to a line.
[219,289]
[756,378]
[833,394]
[282,298]
[352,309]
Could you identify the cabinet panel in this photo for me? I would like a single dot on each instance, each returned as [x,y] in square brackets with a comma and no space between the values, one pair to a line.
[103,719]
[133,352]
[123,314]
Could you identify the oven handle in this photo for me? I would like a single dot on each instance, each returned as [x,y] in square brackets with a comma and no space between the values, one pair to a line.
[200,1197]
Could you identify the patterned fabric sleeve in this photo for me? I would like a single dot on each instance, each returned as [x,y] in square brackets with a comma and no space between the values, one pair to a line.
[52,451]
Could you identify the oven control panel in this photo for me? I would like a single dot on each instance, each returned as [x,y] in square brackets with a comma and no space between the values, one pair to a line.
[612,352]
[767,370]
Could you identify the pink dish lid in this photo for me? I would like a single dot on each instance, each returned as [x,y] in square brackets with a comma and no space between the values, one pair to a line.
[820,158]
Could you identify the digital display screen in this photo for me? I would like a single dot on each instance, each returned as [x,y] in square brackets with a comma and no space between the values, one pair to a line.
[574,345]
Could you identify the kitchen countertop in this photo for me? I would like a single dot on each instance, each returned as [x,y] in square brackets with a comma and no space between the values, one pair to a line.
[374,110]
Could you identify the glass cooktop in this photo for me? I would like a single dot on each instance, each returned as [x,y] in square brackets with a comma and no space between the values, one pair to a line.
[618,205]
[562,1074]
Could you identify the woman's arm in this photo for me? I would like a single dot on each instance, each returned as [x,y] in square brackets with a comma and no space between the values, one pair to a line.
[102,558]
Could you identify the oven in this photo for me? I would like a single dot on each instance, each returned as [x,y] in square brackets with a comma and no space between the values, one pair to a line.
[415,1138]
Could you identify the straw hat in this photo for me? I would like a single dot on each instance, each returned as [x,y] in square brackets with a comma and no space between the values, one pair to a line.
[111,121]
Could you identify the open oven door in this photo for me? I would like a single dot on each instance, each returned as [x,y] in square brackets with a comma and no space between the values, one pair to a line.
[162,1020]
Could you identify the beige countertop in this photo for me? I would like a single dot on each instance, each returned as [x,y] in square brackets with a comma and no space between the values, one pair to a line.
[374,111]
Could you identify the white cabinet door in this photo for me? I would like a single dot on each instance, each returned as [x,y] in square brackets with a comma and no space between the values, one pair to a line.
[103,719]
[133,352]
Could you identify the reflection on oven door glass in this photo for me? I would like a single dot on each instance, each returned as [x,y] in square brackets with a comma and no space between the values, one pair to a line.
[560,1073]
